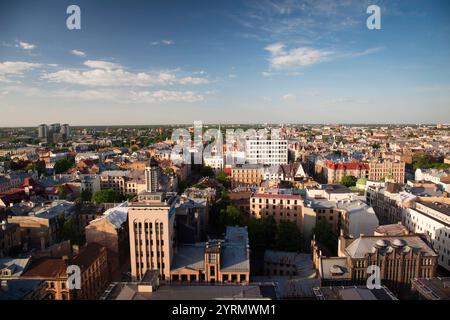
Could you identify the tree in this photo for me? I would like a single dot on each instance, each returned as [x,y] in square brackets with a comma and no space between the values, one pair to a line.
[62,193]
[169,170]
[230,216]
[70,232]
[324,234]
[86,195]
[207,171]
[261,233]
[106,196]
[349,181]
[62,165]
[288,237]
[223,179]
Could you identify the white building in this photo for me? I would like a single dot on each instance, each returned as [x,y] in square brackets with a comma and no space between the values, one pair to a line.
[215,162]
[90,182]
[357,218]
[267,151]
[434,175]
[432,219]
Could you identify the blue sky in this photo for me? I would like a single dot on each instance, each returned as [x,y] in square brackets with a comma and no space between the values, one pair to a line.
[156,62]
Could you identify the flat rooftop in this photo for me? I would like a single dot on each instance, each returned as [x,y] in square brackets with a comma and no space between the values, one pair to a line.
[354,293]
[129,291]
[433,288]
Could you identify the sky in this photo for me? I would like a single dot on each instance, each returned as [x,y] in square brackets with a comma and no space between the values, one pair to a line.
[168,62]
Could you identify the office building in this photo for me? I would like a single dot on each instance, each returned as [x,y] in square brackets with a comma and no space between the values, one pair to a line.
[266,152]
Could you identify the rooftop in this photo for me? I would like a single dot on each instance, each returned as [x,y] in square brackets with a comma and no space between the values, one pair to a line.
[366,244]
[433,288]
[353,293]
[129,291]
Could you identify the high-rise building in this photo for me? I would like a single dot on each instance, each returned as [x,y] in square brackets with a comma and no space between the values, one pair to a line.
[151,220]
[152,176]
[42,131]
[65,130]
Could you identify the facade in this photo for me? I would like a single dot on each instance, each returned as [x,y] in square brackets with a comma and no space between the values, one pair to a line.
[388,202]
[247,175]
[40,228]
[215,162]
[10,239]
[90,183]
[110,230]
[151,219]
[356,218]
[266,152]
[94,274]
[387,169]
[283,207]
[152,176]
[333,172]
[432,219]
[400,258]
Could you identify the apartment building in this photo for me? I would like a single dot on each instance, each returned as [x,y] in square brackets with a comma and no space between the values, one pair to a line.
[247,175]
[433,220]
[110,230]
[382,169]
[333,172]
[266,152]
[282,207]
[92,260]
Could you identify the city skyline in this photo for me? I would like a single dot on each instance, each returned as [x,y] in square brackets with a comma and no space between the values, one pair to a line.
[246,62]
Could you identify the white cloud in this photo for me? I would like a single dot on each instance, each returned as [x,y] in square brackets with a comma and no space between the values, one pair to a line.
[78,53]
[289,97]
[117,96]
[16,68]
[165,42]
[232,76]
[99,64]
[25,45]
[104,73]
[298,57]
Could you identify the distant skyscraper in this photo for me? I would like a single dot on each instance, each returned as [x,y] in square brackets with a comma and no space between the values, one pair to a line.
[65,130]
[152,176]
[42,131]
[55,128]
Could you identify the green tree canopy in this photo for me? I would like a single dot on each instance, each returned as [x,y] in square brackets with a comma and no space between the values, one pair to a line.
[107,196]
[62,165]
[324,234]
[288,237]
[207,171]
[349,181]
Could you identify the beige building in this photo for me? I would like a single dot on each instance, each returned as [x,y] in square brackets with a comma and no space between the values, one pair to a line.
[94,274]
[387,169]
[111,231]
[400,259]
[151,219]
[247,175]
[283,207]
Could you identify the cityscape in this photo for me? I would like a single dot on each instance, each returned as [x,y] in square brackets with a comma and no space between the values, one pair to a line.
[263,168]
